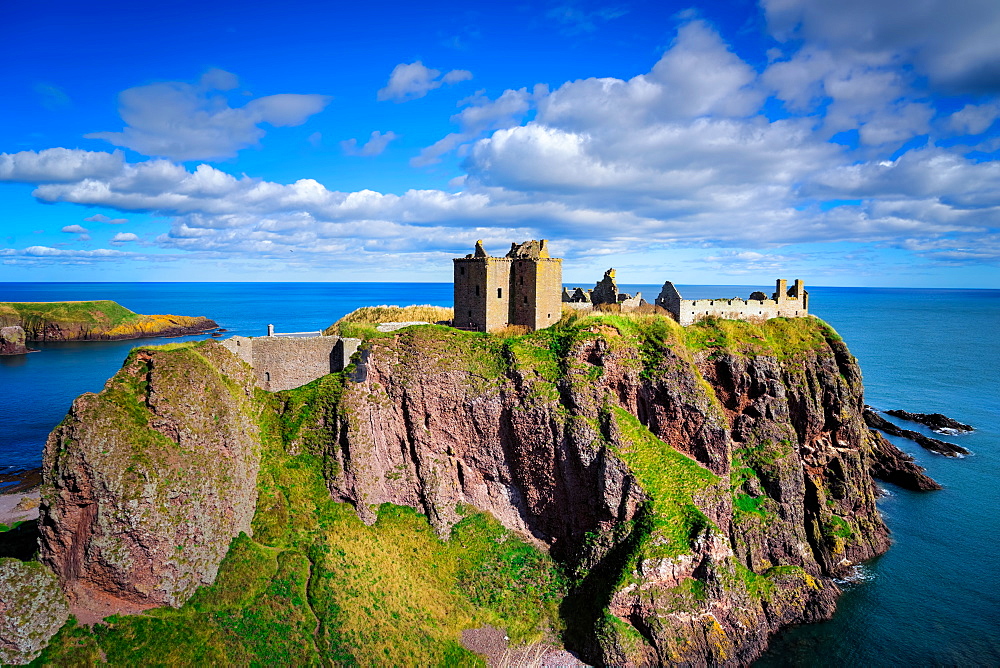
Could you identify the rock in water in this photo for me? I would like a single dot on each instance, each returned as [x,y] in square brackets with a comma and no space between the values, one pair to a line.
[876,421]
[942,424]
[146,484]
[12,340]
[32,608]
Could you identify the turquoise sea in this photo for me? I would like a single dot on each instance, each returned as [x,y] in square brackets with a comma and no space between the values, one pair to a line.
[932,600]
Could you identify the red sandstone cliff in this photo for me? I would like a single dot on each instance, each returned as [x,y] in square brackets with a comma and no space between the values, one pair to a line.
[700,493]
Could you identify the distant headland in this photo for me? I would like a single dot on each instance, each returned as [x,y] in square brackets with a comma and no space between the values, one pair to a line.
[101,320]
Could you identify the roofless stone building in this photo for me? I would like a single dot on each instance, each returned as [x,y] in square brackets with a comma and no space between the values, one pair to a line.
[522,288]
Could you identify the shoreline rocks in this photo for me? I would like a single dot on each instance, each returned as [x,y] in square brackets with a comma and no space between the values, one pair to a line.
[12,340]
[876,421]
[936,422]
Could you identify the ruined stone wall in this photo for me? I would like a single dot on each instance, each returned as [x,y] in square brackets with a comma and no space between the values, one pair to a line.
[784,303]
[691,310]
[284,363]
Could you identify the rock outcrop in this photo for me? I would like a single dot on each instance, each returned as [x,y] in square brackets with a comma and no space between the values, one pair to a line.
[700,486]
[146,483]
[32,608]
[876,421]
[12,340]
[942,424]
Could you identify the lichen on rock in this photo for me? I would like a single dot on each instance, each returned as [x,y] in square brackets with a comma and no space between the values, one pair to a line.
[32,608]
[147,482]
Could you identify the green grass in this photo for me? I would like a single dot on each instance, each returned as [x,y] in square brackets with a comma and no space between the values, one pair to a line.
[671,479]
[104,312]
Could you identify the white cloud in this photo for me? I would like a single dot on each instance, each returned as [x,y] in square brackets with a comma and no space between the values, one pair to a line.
[184,121]
[58,165]
[101,218]
[375,145]
[123,237]
[409,81]
[974,119]
[954,43]
[480,116]
[75,229]
[682,155]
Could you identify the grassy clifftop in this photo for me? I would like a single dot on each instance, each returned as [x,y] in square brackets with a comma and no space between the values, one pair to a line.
[94,320]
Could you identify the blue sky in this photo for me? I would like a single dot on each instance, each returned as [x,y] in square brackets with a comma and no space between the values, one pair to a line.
[849,143]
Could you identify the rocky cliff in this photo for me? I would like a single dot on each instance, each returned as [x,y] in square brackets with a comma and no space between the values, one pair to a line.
[12,340]
[146,483]
[94,321]
[699,488]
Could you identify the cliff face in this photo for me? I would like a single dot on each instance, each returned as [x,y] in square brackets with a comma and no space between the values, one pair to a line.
[94,321]
[146,483]
[579,440]
[700,487]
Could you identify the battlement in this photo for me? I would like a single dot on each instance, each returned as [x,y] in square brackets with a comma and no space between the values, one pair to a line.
[783,303]
[521,288]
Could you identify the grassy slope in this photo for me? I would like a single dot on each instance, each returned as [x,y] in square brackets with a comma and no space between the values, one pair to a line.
[315,584]
[102,318]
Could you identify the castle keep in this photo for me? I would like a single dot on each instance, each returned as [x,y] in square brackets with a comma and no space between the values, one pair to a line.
[522,288]
[784,303]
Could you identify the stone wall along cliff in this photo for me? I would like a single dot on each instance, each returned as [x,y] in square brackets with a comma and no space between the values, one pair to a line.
[146,483]
[284,363]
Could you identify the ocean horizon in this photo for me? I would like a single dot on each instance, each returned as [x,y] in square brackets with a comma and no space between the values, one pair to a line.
[928,601]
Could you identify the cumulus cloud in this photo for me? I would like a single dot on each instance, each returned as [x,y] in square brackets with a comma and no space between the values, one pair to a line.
[409,81]
[681,155]
[58,165]
[480,116]
[123,237]
[75,229]
[101,218]
[184,121]
[375,145]
[953,43]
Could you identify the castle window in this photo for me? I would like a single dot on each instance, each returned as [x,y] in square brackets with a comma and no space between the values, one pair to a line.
[522,280]
[267,376]
[461,270]
[525,300]
[470,314]
[499,293]
[477,290]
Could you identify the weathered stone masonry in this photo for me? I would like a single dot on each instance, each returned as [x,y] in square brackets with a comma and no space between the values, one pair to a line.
[784,303]
[522,288]
[285,363]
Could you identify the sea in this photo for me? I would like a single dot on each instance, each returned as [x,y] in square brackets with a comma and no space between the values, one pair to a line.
[932,600]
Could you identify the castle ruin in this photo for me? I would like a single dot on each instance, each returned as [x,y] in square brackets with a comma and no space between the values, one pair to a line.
[605,292]
[784,303]
[522,288]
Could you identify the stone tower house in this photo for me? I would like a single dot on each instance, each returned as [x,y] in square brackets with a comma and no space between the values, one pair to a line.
[522,288]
